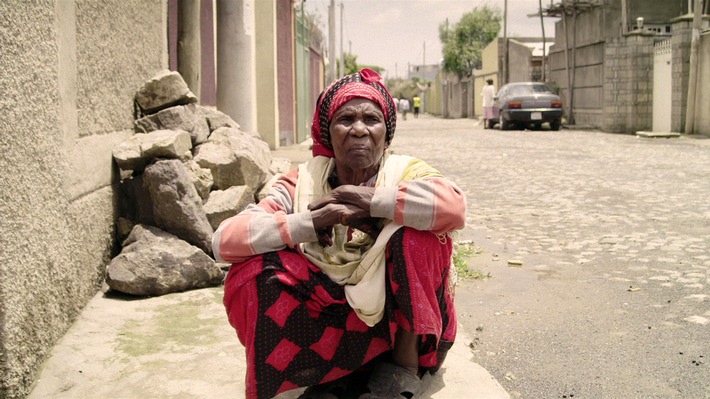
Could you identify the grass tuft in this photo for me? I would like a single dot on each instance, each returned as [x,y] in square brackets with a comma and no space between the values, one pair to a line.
[463,251]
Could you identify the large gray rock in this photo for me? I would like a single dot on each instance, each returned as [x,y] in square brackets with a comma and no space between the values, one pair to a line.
[138,150]
[135,203]
[264,190]
[154,262]
[235,159]
[226,203]
[201,177]
[180,117]
[217,119]
[164,90]
[177,208]
[221,160]
[280,165]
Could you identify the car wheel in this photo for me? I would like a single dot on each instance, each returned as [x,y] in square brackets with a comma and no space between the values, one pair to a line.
[555,125]
[505,125]
[537,126]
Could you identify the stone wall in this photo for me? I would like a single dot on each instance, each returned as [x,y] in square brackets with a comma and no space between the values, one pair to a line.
[628,84]
[70,69]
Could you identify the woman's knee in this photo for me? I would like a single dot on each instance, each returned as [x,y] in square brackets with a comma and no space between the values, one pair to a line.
[413,239]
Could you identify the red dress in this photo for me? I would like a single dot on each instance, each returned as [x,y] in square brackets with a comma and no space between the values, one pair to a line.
[299,330]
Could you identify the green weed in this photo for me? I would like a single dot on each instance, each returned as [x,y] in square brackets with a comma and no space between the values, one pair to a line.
[463,251]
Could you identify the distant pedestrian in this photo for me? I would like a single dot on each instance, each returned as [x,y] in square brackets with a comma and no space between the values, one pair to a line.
[417,103]
[404,107]
[488,93]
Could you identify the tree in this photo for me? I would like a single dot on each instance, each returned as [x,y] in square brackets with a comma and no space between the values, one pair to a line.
[351,65]
[403,88]
[464,42]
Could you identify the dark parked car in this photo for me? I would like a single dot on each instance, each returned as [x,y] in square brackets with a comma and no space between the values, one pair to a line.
[523,104]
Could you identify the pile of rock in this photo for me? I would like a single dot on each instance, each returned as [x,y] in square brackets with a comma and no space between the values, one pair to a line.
[185,170]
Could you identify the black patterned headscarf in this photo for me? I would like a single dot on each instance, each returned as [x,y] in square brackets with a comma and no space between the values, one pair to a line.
[364,84]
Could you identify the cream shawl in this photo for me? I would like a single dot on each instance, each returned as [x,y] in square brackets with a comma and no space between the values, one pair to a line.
[358,264]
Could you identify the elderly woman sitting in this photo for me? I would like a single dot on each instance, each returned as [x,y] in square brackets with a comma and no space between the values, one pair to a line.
[343,269]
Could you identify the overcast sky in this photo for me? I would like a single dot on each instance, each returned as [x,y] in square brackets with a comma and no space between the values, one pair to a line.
[393,33]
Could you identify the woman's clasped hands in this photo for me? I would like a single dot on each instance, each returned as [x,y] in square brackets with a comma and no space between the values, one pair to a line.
[348,205]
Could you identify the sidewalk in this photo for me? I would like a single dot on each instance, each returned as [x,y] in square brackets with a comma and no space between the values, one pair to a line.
[181,346]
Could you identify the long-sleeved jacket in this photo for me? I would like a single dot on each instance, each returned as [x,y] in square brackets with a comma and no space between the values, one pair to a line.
[433,204]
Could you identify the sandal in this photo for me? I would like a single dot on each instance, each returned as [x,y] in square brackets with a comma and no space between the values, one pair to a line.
[389,381]
[329,390]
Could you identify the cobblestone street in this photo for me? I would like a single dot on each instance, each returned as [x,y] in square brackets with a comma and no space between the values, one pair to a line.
[598,247]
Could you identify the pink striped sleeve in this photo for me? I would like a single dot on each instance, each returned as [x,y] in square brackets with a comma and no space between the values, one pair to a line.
[264,227]
[433,204]
[399,204]
[284,232]
[449,211]
[233,240]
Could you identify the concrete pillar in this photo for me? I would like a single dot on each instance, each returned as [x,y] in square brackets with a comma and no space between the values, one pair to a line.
[680,69]
[267,97]
[236,71]
[189,49]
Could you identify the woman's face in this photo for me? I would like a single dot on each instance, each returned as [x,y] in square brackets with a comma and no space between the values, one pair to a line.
[357,134]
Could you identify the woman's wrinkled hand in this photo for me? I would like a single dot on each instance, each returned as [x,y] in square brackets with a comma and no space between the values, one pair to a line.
[359,196]
[331,214]
[347,205]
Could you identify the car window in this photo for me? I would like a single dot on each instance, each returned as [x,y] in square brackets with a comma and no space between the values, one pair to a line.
[528,89]
[541,89]
[520,90]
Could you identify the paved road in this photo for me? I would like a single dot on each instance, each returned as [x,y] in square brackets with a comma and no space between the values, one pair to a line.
[613,232]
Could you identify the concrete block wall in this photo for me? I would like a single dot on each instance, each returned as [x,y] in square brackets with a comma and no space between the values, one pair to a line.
[457,97]
[628,84]
[70,69]
[588,84]
[519,61]
[587,34]
[433,97]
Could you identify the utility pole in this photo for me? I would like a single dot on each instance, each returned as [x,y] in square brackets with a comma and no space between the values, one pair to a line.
[692,79]
[424,56]
[544,46]
[331,40]
[506,75]
[342,53]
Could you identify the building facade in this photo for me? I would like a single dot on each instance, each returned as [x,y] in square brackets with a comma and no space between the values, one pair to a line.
[603,61]
[68,81]
[70,70]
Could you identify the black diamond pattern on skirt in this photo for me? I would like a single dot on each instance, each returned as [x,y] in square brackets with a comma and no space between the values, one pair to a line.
[298,361]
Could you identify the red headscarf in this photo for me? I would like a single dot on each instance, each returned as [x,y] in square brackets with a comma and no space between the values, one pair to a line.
[364,84]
